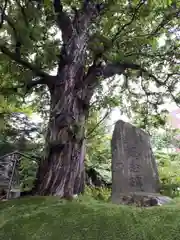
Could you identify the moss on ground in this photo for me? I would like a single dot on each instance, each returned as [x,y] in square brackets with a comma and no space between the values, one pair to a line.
[48,218]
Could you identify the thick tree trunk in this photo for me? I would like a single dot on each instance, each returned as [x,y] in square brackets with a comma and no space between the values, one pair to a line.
[61,173]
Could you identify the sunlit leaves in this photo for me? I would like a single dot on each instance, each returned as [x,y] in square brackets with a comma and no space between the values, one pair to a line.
[154,44]
[98,148]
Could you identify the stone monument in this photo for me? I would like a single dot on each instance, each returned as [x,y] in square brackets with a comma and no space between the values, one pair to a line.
[134,170]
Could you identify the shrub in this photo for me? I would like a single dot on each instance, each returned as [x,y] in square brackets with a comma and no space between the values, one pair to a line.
[98,193]
[169,172]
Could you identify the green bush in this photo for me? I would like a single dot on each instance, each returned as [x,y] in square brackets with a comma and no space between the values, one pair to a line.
[27,170]
[170,189]
[169,172]
[98,193]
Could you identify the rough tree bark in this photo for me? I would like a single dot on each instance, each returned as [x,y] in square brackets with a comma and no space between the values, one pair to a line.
[62,171]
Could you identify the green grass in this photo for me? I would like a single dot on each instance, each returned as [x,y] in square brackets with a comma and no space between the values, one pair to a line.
[86,219]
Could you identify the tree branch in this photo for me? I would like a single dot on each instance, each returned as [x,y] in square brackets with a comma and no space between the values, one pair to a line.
[49,81]
[162,56]
[139,5]
[63,21]
[38,72]
[89,134]
[17,38]
[44,78]
[85,15]
[2,10]
[121,28]
[34,83]
[23,12]
[166,19]
[109,70]
[87,4]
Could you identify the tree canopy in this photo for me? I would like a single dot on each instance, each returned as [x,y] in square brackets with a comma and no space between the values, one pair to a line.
[138,39]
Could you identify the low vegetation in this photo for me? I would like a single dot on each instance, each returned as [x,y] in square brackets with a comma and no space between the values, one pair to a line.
[48,218]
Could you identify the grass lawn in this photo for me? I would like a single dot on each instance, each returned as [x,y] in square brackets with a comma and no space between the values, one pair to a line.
[48,218]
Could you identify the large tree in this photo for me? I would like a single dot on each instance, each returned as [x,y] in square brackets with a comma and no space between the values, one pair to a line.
[97,40]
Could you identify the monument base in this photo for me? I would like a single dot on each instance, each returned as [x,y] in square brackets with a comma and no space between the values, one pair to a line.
[141,199]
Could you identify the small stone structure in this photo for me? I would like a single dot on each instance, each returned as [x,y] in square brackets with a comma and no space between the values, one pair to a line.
[9,176]
[134,172]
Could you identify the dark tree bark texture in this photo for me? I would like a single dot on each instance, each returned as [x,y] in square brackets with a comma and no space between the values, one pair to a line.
[62,172]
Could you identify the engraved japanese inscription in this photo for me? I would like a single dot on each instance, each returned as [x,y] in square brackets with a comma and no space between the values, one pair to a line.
[133,164]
